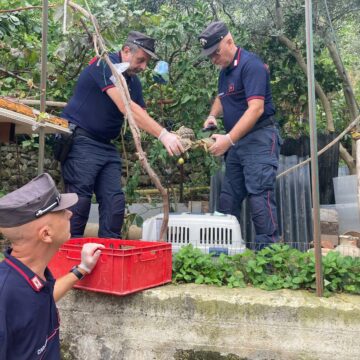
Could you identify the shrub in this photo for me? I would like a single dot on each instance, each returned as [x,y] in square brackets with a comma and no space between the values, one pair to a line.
[275,267]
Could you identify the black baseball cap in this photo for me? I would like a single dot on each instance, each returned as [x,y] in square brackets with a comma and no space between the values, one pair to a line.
[210,38]
[33,200]
[145,42]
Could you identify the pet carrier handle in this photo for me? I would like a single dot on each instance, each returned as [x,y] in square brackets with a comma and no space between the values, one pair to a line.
[150,255]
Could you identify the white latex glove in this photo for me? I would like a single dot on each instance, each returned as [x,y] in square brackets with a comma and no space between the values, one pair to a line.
[171,143]
[222,144]
[211,120]
[90,254]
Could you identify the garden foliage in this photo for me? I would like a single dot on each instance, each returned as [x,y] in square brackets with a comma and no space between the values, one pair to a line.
[275,267]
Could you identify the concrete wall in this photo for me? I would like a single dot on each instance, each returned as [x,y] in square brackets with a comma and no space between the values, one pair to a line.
[204,322]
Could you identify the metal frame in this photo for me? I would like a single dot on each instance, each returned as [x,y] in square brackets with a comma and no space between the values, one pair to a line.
[45,16]
[313,147]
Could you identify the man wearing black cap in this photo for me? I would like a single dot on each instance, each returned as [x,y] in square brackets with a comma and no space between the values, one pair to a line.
[251,143]
[35,220]
[97,112]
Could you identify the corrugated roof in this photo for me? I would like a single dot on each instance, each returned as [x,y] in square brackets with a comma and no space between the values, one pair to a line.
[28,125]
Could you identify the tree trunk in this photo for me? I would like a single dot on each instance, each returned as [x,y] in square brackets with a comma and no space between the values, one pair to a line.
[347,88]
[348,91]
[358,173]
[352,107]
[318,89]
[349,160]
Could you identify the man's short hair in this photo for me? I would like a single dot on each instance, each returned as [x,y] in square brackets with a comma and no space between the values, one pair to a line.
[133,47]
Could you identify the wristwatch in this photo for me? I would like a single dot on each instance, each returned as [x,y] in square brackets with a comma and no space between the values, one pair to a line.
[77,273]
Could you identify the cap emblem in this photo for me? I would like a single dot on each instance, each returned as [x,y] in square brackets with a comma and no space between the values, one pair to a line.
[49,208]
[203,42]
[138,42]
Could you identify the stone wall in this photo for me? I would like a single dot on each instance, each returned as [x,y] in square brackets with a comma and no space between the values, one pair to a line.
[19,165]
[193,322]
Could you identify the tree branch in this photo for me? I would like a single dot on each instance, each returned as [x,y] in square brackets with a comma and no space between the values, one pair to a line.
[38,7]
[349,160]
[227,14]
[87,30]
[18,77]
[318,89]
[77,71]
[173,55]
[327,147]
[214,11]
[279,16]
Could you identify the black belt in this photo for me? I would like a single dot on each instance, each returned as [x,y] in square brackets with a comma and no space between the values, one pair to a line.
[267,122]
[82,132]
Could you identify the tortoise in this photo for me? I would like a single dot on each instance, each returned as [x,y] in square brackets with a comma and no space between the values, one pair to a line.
[188,139]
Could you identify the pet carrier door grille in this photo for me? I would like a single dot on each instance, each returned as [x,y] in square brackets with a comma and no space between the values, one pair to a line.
[208,232]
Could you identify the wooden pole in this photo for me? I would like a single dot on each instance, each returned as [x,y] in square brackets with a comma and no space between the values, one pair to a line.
[358,173]
[313,147]
[45,14]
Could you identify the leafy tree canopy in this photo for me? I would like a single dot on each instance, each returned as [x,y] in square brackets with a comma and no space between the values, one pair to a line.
[256,25]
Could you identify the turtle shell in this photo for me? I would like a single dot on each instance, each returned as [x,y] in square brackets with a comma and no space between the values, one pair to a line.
[186,133]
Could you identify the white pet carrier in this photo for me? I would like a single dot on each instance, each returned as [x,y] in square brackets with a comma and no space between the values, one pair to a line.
[208,232]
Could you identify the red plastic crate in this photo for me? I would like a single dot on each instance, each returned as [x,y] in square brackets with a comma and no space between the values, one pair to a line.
[124,266]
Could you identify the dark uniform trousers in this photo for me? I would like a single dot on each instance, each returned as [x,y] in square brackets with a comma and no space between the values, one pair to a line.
[251,167]
[95,167]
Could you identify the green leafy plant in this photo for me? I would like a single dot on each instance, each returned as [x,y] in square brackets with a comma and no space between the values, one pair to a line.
[341,273]
[275,267]
[32,143]
[131,219]
[191,265]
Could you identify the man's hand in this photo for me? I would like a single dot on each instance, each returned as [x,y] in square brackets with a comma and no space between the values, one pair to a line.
[90,254]
[171,143]
[222,144]
[211,120]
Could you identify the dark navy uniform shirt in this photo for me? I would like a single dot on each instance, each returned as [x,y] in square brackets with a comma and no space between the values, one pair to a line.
[91,108]
[29,320]
[245,79]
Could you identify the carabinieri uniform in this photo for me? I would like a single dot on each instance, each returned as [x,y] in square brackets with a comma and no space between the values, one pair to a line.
[29,319]
[93,164]
[251,164]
